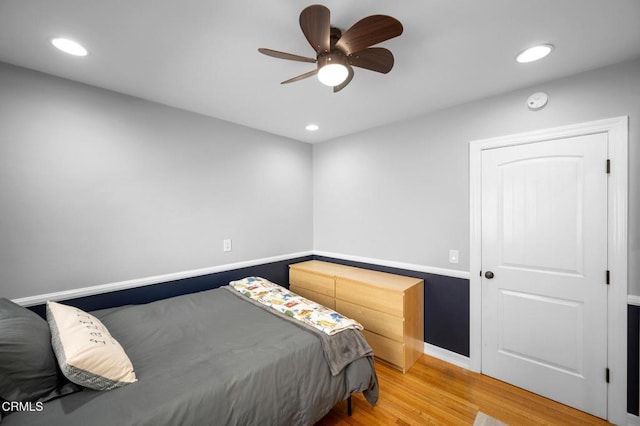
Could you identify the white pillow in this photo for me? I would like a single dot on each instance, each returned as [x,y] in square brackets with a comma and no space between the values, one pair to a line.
[86,352]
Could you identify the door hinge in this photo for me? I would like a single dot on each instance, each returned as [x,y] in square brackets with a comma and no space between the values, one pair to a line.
[608,166]
[607,374]
[608,277]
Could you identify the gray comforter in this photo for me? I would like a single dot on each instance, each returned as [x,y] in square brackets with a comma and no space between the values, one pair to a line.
[211,358]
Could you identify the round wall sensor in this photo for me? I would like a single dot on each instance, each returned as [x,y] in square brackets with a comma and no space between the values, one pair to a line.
[537,101]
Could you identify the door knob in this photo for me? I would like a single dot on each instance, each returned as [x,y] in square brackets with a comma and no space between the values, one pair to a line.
[488,275]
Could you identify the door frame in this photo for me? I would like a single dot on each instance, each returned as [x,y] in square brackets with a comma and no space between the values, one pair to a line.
[617,131]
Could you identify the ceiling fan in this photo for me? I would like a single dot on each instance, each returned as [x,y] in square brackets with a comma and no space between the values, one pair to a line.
[337,52]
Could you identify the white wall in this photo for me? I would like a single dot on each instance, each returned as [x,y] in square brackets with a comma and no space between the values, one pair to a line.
[401,192]
[98,187]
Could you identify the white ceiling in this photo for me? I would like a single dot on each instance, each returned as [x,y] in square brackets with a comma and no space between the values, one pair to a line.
[202,55]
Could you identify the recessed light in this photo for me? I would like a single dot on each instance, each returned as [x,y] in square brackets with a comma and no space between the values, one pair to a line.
[69,46]
[312,127]
[534,53]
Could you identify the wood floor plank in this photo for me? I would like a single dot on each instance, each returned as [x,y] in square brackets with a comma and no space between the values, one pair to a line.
[434,392]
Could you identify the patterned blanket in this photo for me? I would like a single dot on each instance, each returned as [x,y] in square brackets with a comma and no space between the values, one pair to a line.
[286,302]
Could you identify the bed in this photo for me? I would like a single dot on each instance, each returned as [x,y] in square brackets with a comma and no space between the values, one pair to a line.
[214,357]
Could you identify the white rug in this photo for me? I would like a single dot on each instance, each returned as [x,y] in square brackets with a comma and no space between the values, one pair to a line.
[483,420]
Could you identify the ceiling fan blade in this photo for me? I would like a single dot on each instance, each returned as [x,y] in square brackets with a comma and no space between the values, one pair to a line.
[367,32]
[316,26]
[283,55]
[376,59]
[342,85]
[301,76]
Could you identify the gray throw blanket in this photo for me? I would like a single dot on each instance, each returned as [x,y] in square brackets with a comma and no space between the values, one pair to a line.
[340,349]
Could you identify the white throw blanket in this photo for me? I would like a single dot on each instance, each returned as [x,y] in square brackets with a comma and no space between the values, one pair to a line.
[293,305]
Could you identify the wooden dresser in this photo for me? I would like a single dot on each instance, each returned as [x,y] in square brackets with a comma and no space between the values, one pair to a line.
[390,307]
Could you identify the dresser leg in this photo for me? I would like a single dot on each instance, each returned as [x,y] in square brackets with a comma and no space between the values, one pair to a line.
[349,406]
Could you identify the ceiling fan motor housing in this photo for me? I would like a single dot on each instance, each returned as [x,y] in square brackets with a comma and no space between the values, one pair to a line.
[333,57]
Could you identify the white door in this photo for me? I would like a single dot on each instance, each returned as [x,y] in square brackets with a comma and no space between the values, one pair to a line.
[544,240]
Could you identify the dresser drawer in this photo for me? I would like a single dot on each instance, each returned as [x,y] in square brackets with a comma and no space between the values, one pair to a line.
[318,283]
[377,298]
[320,298]
[378,322]
[386,349]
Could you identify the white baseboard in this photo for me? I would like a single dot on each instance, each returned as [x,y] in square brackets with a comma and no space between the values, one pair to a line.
[157,279]
[633,420]
[400,265]
[447,356]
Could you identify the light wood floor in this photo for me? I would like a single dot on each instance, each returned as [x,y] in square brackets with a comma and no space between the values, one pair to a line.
[434,392]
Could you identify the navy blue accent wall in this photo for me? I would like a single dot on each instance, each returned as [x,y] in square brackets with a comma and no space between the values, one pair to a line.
[446,312]
[277,272]
[633,359]
[446,306]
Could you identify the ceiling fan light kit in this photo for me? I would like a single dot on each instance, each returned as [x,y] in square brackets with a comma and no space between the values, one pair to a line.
[336,52]
[332,69]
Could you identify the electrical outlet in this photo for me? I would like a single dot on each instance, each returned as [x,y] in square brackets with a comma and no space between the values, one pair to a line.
[226,245]
[453,256]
